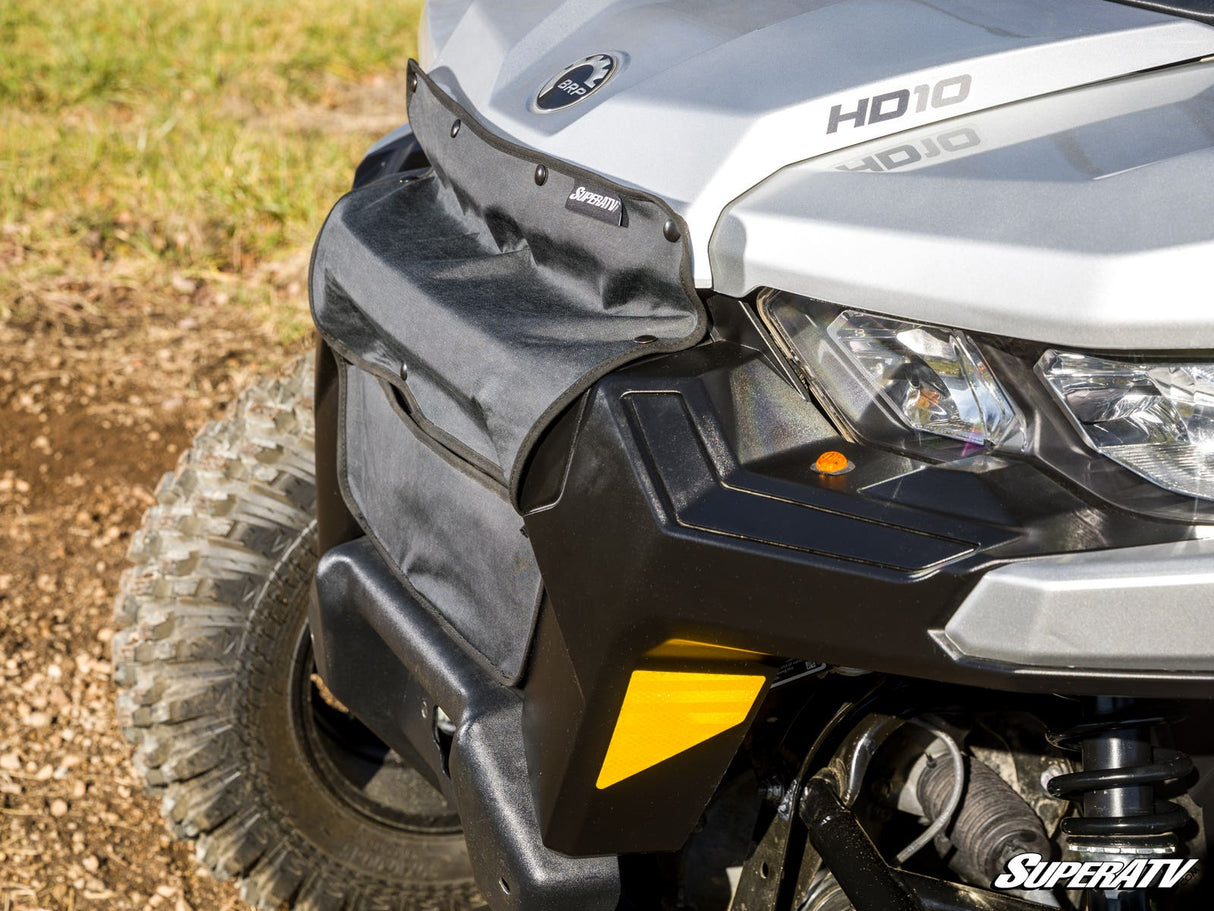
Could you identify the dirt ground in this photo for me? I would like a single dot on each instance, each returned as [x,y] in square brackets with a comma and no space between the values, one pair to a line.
[99,394]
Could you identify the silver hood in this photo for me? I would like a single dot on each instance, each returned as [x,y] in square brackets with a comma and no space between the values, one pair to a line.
[1083,219]
[712,98]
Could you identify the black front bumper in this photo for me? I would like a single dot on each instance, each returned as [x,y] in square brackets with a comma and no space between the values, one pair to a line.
[688,509]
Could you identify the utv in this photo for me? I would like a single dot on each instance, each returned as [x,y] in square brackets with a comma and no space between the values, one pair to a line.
[758,456]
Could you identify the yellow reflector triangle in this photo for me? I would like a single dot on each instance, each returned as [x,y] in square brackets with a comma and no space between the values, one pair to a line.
[667,712]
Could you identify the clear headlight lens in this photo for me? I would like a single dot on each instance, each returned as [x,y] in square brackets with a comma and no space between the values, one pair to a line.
[1155,419]
[926,378]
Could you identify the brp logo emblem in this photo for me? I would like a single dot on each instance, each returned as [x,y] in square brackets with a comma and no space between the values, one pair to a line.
[576,82]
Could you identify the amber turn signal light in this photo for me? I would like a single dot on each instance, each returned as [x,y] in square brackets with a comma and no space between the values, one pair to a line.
[833,463]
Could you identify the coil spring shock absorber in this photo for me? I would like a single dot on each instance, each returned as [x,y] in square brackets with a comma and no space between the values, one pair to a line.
[1122,813]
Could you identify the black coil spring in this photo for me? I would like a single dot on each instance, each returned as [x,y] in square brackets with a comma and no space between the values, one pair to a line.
[1167,765]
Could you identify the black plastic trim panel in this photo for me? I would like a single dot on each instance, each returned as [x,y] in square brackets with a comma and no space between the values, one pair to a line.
[1201,10]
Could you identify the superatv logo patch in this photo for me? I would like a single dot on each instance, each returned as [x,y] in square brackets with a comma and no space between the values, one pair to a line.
[597,203]
[1032,871]
[576,82]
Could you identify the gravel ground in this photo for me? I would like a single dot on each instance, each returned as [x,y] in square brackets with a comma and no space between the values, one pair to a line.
[98,397]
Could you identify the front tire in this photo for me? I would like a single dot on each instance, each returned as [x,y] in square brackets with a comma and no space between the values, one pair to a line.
[281,788]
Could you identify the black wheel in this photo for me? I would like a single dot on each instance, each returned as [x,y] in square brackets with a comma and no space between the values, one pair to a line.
[280,786]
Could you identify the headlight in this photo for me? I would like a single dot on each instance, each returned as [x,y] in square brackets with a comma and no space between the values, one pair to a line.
[927,379]
[1157,419]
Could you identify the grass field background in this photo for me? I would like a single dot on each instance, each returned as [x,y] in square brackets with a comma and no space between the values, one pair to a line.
[172,143]
[164,167]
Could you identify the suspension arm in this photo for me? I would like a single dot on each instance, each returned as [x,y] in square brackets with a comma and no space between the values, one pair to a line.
[868,881]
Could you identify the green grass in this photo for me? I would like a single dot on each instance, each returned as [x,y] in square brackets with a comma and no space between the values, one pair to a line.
[181,138]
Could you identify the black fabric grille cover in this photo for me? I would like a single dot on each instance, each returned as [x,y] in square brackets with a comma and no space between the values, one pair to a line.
[484,307]
[502,304]
[446,528]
